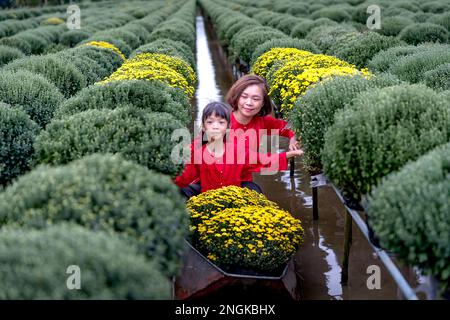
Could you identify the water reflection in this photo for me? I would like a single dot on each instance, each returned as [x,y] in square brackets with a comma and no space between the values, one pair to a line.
[333,275]
[207,90]
[294,183]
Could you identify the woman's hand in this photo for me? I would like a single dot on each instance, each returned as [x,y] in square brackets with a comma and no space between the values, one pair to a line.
[294,153]
[294,144]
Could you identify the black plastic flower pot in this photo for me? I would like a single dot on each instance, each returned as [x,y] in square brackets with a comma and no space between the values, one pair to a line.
[353,203]
[372,236]
[201,278]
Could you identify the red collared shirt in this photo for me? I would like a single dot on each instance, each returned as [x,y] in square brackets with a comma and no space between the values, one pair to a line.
[229,169]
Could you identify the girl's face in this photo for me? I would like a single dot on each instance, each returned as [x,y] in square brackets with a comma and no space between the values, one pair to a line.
[215,127]
[251,101]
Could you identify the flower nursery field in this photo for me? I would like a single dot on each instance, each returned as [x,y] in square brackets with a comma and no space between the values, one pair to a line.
[87,116]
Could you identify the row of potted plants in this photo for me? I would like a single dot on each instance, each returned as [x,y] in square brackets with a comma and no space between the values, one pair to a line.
[90,167]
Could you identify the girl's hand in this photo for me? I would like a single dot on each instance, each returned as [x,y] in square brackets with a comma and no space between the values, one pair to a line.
[294,144]
[294,153]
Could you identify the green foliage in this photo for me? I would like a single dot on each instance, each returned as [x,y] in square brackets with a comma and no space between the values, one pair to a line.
[435,6]
[359,13]
[234,26]
[392,26]
[17,134]
[314,112]
[382,61]
[303,28]
[250,11]
[424,32]
[264,17]
[17,43]
[34,264]
[122,34]
[139,31]
[360,49]
[152,96]
[407,5]
[104,192]
[381,132]
[71,38]
[326,36]
[11,26]
[175,29]
[412,68]
[34,41]
[315,7]
[441,19]
[335,14]
[245,41]
[398,12]
[438,78]
[31,92]
[286,24]
[168,47]
[135,133]
[8,54]
[410,214]
[55,47]
[63,74]
[298,9]
[93,62]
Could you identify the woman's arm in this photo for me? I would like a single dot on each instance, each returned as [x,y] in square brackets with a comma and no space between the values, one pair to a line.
[284,131]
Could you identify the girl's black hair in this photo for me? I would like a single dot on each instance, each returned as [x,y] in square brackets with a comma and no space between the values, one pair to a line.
[218,109]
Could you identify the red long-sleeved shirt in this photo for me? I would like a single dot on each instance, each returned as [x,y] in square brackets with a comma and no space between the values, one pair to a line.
[266,122]
[227,170]
[257,125]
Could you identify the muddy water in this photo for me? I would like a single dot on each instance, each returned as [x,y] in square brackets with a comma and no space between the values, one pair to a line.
[318,262]
[213,71]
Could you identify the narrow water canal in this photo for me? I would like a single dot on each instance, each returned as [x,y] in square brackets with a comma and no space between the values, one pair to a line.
[318,261]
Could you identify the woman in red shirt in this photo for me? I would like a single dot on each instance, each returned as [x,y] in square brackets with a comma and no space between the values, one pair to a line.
[217,160]
[251,116]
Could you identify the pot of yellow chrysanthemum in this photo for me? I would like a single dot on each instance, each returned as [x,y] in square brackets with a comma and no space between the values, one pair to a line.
[237,237]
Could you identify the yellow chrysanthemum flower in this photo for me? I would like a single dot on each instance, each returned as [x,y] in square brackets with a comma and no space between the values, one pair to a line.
[241,227]
[53,21]
[291,72]
[265,61]
[107,45]
[157,68]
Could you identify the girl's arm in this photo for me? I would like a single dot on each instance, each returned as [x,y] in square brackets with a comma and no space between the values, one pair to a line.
[189,175]
[191,172]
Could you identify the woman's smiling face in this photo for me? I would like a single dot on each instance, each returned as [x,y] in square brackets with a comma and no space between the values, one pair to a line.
[251,101]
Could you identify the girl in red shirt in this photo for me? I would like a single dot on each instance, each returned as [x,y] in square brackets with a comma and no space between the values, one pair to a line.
[217,159]
[251,116]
